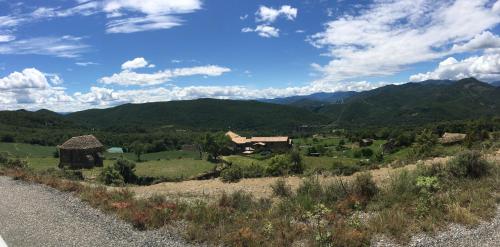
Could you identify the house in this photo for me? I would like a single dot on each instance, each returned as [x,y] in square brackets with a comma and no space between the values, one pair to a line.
[81,152]
[452,138]
[253,144]
[365,142]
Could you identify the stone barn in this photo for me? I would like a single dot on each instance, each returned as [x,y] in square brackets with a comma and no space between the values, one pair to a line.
[81,152]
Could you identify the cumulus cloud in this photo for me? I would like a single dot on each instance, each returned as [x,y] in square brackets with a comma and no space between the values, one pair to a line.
[129,78]
[136,63]
[28,78]
[269,14]
[485,40]
[266,16]
[485,67]
[263,31]
[387,36]
[31,88]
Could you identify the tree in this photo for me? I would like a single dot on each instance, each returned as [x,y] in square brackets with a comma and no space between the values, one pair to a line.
[138,149]
[296,159]
[215,144]
[424,143]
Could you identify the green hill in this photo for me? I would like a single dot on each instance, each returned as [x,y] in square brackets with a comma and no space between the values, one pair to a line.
[417,103]
[203,114]
[39,119]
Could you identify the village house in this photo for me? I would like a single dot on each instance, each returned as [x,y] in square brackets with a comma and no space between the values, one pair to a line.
[81,152]
[253,144]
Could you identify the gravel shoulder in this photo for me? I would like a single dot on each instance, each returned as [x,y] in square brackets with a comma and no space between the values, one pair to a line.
[35,215]
[485,234]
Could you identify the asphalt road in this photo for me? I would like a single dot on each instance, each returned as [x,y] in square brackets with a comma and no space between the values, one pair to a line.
[35,215]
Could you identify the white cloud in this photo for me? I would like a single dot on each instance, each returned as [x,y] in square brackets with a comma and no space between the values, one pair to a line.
[136,63]
[145,23]
[243,17]
[485,67]
[263,31]
[387,36]
[485,40]
[28,78]
[6,38]
[269,14]
[156,14]
[85,64]
[31,89]
[129,78]
[65,46]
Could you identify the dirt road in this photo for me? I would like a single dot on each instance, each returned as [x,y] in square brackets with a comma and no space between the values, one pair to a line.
[259,187]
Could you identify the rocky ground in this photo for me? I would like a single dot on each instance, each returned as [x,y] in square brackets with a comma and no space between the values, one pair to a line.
[35,215]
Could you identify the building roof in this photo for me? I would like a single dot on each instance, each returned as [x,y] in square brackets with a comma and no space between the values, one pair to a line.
[242,140]
[82,142]
[452,137]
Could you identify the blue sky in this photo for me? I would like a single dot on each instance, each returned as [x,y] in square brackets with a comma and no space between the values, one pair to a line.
[68,55]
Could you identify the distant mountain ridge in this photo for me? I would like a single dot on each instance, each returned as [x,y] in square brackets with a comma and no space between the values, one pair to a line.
[406,104]
[206,114]
[315,97]
[417,103]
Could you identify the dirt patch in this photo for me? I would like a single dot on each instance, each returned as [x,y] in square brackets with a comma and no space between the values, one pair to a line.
[259,187]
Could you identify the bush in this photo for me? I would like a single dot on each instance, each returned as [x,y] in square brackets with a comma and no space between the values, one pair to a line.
[364,185]
[469,164]
[297,164]
[278,166]
[253,171]
[281,188]
[64,173]
[232,174]
[366,152]
[126,169]
[15,164]
[110,176]
[7,138]
[3,159]
[339,168]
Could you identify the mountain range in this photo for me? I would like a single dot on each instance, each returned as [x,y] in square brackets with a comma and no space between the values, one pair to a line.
[405,104]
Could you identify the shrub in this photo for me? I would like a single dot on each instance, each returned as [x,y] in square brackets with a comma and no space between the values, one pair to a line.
[232,174]
[296,160]
[253,171]
[126,169]
[64,173]
[281,188]
[237,200]
[364,185]
[15,164]
[278,166]
[3,159]
[469,164]
[7,138]
[110,176]
[366,152]
[339,168]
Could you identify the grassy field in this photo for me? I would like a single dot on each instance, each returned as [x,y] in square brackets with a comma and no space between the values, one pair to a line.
[168,164]
[22,150]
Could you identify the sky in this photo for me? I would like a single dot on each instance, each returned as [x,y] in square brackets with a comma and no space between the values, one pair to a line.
[70,55]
